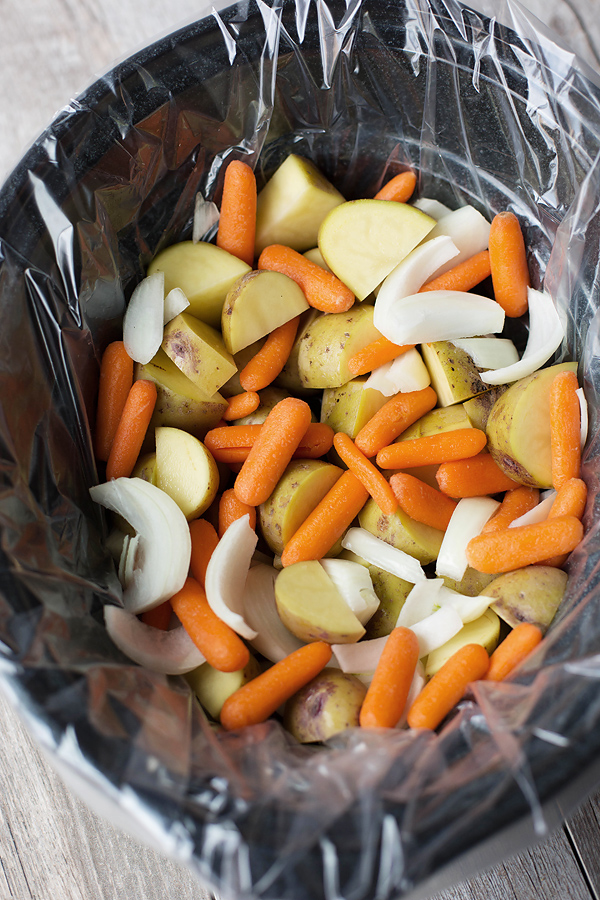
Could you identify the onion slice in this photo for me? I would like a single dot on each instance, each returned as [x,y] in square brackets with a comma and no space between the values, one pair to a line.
[175,303]
[378,553]
[489,352]
[160,558]
[359,658]
[467,520]
[468,229]
[583,406]
[468,608]
[143,321]
[545,336]
[272,639]
[406,373]
[226,575]
[432,208]
[440,316]
[436,629]
[421,602]
[353,581]
[539,513]
[206,219]
[168,652]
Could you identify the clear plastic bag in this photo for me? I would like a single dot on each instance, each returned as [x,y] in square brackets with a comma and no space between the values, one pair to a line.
[490,111]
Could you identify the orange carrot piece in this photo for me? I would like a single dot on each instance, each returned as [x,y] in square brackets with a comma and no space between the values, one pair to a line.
[258,699]
[279,437]
[464,276]
[367,473]
[222,648]
[232,444]
[204,541]
[515,647]
[116,378]
[327,522]
[473,477]
[387,694]
[446,446]
[565,428]
[422,502]
[159,616]
[447,686]
[400,188]
[241,405]
[515,504]
[508,261]
[231,508]
[131,429]
[237,222]
[393,418]
[322,289]
[570,500]
[375,354]
[526,545]
[266,365]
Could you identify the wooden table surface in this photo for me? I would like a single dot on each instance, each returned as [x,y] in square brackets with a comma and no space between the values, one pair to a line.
[51,845]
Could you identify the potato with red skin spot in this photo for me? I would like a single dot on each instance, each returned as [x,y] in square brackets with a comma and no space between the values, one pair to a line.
[328,704]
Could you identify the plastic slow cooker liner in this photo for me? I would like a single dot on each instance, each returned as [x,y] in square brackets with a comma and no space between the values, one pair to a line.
[500,117]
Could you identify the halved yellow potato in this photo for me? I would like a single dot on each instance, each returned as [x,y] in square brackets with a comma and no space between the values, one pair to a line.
[199,352]
[329,342]
[185,470]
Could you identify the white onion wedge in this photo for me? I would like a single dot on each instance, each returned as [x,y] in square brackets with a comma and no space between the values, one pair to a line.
[440,316]
[432,208]
[467,520]
[163,550]
[206,218]
[359,658]
[489,353]
[402,375]
[378,553]
[468,608]
[272,639]
[353,581]
[468,229]
[226,575]
[143,321]
[583,407]
[175,303]
[539,513]
[545,336]
[421,602]
[436,629]
[168,652]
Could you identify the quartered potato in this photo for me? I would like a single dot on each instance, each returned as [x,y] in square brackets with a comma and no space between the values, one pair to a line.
[199,352]
[329,341]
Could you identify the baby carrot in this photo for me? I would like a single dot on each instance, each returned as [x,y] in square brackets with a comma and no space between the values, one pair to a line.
[375,354]
[393,418]
[508,261]
[116,378]
[517,645]
[515,504]
[473,477]
[322,289]
[231,508]
[241,405]
[237,223]
[232,444]
[159,616]
[367,473]
[570,500]
[446,446]
[266,365]
[447,686]
[327,522]
[387,694]
[565,428]
[219,644]
[131,429]
[399,188]
[280,434]
[422,502]
[526,545]
[464,276]
[204,541]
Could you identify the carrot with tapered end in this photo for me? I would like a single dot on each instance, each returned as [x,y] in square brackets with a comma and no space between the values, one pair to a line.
[570,500]
[231,508]
[387,694]
[433,449]
[565,428]
[232,444]
[400,188]
[508,262]
[514,505]
[516,646]
[526,545]
[473,477]
[376,354]
[279,437]
[447,686]
[131,429]
[258,699]
[367,473]
[237,222]
[421,501]
[327,522]
[218,643]
[241,405]
[393,418]
[204,541]
[116,378]
[159,616]
[266,365]
[464,276]
[322,289]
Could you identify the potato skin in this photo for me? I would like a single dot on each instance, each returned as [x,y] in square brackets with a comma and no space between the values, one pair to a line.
[328,704]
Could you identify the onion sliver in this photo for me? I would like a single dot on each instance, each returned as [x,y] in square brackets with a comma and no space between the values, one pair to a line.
[226,575]
[353,581]
[272,639]
[489,353]
[378,553]
[467,520]
[402,375]
[175,303]
[584,416]
[432,208]
[468,608]
[144,318]
[468,229]
[168,652]
[421,602]
[545,336]
[206,218]
[440,316]
[163,548]
[539,513]
[361,657]
[436,629]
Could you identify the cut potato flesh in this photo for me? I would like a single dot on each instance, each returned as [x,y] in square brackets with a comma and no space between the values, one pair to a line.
[185,470]
[199,352]
[348,407]
[406,534]
[484,631]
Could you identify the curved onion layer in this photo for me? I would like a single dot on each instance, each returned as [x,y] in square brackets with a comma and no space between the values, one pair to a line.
[356,659]
[467,520]
[226,575]
[539,513]
[175,303]
[143,321]
[490,352]
[168,652]
[160,557]
[584,416]
[406,373]
[206,219]
[468,229]
[272,639]
[468,608]
[378,553]
[353,581]
[545,336]
[420,602]
[432,208]
[436,629]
